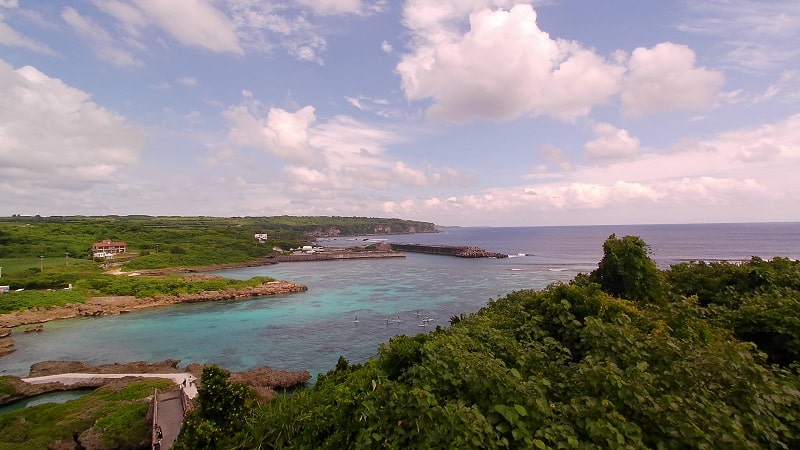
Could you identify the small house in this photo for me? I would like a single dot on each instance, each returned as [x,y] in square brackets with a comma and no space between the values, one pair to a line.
[107,248]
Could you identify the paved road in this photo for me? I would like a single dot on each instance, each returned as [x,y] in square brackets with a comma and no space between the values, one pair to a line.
[170,417]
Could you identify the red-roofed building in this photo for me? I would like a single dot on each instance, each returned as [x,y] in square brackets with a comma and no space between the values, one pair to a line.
[107,247]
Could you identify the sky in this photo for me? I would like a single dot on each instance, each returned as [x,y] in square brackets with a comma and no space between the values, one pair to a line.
[457,112]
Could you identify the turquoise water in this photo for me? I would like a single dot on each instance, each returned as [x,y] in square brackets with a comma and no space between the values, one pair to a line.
[52,397]
[309,330]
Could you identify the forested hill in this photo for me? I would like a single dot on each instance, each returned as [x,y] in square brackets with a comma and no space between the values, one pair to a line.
[698,356]
[34,236]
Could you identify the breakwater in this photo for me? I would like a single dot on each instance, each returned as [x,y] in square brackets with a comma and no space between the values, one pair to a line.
[330,255]
[448,250]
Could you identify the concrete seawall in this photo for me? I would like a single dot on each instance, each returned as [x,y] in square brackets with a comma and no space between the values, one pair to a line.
[448,250]
[328,255]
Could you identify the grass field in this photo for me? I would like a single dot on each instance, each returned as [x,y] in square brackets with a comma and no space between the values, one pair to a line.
[18,266]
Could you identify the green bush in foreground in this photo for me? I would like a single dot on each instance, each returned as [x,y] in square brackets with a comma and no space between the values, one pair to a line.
[572,366]
[566,367]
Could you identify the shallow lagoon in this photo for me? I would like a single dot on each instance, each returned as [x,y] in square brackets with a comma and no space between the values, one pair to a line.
[309,330]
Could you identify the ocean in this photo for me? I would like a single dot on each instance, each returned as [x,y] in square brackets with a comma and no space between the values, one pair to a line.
[353,306]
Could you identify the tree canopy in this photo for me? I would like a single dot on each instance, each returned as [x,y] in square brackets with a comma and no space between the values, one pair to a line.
[608,364]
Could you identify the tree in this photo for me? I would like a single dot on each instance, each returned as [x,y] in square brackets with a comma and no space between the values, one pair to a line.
[626,271]
[222,405]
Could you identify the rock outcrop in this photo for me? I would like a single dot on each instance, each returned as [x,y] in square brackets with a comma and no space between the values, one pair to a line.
[100,306]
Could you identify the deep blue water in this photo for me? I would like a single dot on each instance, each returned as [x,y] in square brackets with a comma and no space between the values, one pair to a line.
[308,331]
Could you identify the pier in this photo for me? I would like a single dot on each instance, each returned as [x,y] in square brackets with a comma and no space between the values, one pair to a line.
[448,250]
[334,255]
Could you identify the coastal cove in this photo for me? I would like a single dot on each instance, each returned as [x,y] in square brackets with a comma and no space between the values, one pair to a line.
[309,330]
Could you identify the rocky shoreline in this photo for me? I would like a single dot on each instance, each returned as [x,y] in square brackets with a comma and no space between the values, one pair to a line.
[264,380]
[101,306]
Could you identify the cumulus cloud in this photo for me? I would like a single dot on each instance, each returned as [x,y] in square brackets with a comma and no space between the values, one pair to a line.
[665,78]
[337,154]
[501,68]
[723,177]
[85,144]
[611,142]
[283,134]
[387,47]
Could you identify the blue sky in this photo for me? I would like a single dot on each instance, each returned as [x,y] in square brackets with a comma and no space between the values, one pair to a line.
[458,112]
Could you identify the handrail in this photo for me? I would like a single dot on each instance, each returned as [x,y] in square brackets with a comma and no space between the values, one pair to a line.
[153,440]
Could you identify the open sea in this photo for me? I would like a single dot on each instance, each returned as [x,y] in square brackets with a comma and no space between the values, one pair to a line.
[345,310]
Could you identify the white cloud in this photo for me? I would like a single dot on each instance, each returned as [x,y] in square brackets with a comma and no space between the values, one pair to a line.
[283,134]
[665,78]
[757,35]
[721,178]
[338,154]
[188,81]
[611,143]
[103,44]
[333,6]
[85,144]
[503,67]
[201,24]
[408,175]
[12,38]
[387,47]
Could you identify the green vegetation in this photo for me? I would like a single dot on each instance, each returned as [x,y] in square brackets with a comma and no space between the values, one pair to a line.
[18,301]
[169,285]
[626,270]
[672,359]
[116,418]
[39,253]
[221,412]
[112,285]
[216,238]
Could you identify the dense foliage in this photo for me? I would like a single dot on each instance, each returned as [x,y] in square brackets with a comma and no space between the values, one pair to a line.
[113,285]
[52,252]
[220,414]
[111,417]
[626,270]
[52,237]
[578,365]
[759,301]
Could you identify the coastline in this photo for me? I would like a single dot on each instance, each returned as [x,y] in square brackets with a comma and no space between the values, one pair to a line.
[111,305]
[100,306]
